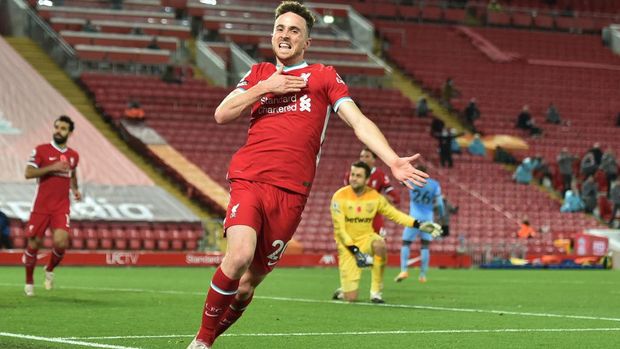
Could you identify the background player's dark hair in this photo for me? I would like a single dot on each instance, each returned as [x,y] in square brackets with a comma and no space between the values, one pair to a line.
[374,156]
[68,120]
[298,9]
[363,165]
[421,167]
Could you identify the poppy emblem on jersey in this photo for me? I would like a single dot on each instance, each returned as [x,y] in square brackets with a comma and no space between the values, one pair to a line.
[304,103]
[233,211]
[359,209]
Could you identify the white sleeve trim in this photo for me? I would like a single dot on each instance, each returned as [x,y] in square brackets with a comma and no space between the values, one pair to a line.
[32,164]
[340,101]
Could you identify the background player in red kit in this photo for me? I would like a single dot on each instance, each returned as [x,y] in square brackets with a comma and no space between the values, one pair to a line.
[53,164]
[380,182]
[271,175]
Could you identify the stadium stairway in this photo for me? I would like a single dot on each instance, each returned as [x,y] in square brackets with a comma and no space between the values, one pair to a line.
[45,66]
[414,91]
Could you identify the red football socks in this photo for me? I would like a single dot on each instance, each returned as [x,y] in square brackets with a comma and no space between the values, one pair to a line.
[57,254]
[232,314]
[30,261]
[221,294]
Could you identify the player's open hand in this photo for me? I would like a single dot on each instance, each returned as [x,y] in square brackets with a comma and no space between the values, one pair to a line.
[280,84]
[59,166]
[404,172]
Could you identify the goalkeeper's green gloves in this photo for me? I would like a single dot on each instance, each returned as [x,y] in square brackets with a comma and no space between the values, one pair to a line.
[361,259]
[429,227]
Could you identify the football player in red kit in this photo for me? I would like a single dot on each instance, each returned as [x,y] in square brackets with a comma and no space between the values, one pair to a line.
[380,182]
[271,175]
[53,165]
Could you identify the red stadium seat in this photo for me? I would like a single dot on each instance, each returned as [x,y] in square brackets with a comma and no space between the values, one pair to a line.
[120,238]
[76,238]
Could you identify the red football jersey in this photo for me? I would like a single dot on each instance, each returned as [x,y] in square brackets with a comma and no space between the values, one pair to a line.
[286,131]
[52,195]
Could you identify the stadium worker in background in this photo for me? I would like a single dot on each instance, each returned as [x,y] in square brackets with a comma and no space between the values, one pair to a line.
[5,232]
[54,166]
[525,171]
[614,196]
[476,147]
[353,209]
[565,164]
[572,203]
[271,175]
[378,181]
[589,194]
[609,165]
[421,203]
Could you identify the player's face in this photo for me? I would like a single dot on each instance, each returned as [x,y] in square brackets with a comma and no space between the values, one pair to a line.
[290,38]
[357,178]
[367,158]
[61,132]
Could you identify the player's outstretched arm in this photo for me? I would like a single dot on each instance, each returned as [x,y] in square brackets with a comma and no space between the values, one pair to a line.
[33,172]
[238,102]
[367,132]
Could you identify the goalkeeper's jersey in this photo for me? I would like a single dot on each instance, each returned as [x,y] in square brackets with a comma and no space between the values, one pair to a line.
[352,215]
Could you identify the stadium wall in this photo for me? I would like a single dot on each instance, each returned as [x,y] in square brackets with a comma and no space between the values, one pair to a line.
[199,259]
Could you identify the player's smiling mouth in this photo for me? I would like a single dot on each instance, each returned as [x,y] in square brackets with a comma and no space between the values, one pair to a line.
[285,46]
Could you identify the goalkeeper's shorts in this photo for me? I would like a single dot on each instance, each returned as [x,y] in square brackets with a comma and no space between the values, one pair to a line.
[350,273]
[410,234]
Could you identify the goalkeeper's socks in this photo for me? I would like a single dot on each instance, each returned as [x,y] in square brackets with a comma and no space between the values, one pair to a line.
[232,314]
[376,275]
[57,254]
[221,293]
[404,257]
[30,261]
[425,256]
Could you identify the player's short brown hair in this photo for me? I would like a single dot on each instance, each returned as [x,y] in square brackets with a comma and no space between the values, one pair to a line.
[362,164]
[66,119]
[298,9]
[374,156]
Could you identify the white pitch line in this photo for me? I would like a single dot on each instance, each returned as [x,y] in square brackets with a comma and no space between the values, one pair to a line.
[461,310]
[63,341]
[402,306]
[303,334]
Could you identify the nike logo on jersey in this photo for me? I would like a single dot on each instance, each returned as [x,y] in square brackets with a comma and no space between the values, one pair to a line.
[52,158]
[272,263]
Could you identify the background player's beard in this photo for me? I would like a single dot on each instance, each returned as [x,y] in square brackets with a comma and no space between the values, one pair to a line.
[60,139]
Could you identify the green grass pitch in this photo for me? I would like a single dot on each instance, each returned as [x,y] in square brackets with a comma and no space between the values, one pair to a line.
[160,308]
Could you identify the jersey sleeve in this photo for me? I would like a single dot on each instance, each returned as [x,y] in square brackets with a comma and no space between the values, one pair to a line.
[250,79]
[345,179]
[393,214]
[36,158]
[388,189]
[337,211]
[337,90]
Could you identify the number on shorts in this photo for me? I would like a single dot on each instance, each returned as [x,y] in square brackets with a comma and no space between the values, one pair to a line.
[277,254]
